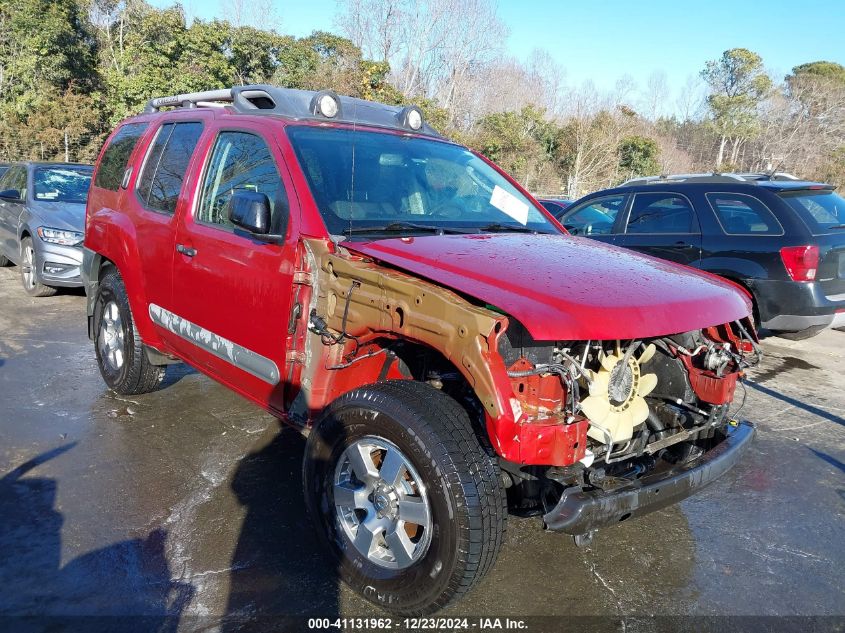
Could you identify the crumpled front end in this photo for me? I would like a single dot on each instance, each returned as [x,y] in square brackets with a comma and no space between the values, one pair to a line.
[608,401]
[607,430]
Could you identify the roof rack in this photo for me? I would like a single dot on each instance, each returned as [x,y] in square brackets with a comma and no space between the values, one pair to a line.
[323,105]
[714,177]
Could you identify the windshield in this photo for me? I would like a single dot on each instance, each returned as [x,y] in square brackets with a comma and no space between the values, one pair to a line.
[820,210]
[62,184]
[366,181]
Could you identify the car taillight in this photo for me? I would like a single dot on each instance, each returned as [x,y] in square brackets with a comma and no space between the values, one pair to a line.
[801,262]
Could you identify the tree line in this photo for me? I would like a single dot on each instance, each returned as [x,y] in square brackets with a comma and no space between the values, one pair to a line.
[71,69]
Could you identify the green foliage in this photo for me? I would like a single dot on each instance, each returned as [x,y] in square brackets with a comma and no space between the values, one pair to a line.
[738,84]
[43,44]
[738,72]
[819,70]
[57,120]
[638,156]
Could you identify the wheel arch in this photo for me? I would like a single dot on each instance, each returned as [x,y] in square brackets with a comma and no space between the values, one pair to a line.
[114,243]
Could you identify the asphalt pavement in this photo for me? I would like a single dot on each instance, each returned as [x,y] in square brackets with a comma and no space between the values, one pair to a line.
[185,506]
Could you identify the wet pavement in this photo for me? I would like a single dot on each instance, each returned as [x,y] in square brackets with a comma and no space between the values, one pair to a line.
[187,502]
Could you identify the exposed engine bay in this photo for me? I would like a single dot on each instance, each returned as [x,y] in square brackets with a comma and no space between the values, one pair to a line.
[645,403]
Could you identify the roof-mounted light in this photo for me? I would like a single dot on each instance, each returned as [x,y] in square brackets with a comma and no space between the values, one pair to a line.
[411,117]
[326,103]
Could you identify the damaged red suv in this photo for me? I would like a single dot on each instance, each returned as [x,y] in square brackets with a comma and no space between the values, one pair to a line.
[451,353]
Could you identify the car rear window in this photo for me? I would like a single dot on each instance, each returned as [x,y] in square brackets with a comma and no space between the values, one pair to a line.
[114,160]
[821,211]
[743,215]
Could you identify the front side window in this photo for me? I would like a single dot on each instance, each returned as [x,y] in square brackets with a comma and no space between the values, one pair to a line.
[166,164]
[62,184]
[370,181]
[743,215]
[240,161]
[661,213]
[14,180]
[594,217]
[115,158]
[822,211]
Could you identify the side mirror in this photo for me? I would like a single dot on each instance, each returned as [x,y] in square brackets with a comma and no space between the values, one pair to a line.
[10,194]
[250,211]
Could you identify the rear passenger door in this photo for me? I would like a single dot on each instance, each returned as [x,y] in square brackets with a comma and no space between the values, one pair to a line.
[664,225]
[232,293]
[157,195]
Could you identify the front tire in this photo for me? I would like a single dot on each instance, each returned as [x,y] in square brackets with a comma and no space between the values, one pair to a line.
[407,497]
[29,272]
[120,352]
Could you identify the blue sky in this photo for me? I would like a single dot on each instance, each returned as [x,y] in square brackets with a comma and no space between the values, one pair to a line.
[602,40]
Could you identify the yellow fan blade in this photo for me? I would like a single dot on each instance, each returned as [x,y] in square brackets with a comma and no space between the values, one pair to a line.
[639,410]
[647,384]
[600,381]
[596,408]
[620,425]
[647,354]
[609,361]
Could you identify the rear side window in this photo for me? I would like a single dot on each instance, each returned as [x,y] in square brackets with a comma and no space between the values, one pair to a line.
[114,160]
[166,164]
[661,213]
[822,211]
[743,215]
[240,161]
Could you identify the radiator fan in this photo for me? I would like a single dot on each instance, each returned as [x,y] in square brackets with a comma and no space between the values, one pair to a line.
[617,394]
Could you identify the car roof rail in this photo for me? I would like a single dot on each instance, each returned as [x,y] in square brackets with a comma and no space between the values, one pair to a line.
[323,105]
[714,177]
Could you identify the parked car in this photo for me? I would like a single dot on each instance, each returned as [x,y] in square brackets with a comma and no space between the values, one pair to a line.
[554,205]
[42,220]
[450,351]
[781,238]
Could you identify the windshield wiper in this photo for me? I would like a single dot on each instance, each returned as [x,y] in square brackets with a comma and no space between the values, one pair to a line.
[498,227]
[396,227]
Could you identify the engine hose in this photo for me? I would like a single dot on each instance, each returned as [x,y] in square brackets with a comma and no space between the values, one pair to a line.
[655,425]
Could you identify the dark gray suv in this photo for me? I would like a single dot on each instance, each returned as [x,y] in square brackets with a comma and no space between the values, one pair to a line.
[42,223]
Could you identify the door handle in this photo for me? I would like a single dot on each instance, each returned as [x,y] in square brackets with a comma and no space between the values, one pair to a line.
[186,250]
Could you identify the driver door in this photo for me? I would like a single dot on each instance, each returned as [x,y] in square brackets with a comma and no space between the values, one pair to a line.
[232,291]
[596,218]
[11,210]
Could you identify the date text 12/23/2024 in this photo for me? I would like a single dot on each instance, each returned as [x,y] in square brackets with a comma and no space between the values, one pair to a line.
[418,624]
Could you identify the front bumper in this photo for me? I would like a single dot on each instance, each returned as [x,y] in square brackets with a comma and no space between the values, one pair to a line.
[59,265]
[580,511]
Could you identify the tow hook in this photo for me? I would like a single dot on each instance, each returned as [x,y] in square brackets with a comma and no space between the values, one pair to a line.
[584,540]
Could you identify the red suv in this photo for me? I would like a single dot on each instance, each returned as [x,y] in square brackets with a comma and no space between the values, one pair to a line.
[450,351]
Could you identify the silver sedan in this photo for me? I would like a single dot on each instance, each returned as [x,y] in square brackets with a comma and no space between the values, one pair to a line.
[42,223]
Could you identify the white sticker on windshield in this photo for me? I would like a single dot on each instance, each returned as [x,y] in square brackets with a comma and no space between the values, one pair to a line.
[510,204]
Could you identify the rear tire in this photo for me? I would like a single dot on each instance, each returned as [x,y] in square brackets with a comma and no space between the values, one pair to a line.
[120,352]
[447,466]
[29,272]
